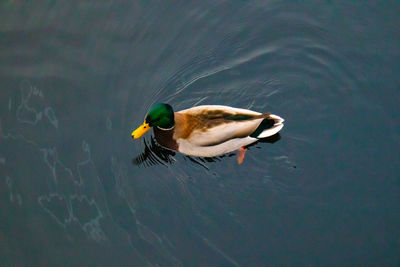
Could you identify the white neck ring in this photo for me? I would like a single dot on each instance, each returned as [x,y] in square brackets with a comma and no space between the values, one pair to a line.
[164,129]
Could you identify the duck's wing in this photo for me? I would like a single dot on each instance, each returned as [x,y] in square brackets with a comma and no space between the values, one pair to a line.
[213,125]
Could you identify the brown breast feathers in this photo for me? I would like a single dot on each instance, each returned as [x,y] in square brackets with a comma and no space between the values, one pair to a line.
[165,138]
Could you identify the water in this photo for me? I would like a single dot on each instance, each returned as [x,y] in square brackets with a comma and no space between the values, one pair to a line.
[75,79]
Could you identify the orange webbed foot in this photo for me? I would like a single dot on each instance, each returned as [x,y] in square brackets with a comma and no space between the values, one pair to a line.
[240,154]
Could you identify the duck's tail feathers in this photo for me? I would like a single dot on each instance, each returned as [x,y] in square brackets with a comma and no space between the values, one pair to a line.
[269,126]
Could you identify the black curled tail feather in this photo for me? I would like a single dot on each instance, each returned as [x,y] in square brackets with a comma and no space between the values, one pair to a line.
[265,124]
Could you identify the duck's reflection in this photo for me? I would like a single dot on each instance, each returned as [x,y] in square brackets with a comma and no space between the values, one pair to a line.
[155,154]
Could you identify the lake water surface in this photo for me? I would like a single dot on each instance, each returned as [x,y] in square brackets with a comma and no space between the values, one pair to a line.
[77,78]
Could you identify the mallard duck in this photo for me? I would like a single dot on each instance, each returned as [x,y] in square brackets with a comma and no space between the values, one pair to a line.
[208,130]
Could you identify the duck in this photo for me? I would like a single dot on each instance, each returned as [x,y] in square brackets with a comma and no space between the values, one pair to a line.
[208,130]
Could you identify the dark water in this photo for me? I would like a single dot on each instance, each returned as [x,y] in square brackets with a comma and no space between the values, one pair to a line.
[76,78]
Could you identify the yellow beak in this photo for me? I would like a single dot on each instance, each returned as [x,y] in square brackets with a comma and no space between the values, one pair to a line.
[141,130]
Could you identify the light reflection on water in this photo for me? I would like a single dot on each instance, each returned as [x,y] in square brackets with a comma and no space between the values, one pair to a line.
[77,189]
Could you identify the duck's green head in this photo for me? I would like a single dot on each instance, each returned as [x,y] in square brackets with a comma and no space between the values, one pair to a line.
[160,115]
